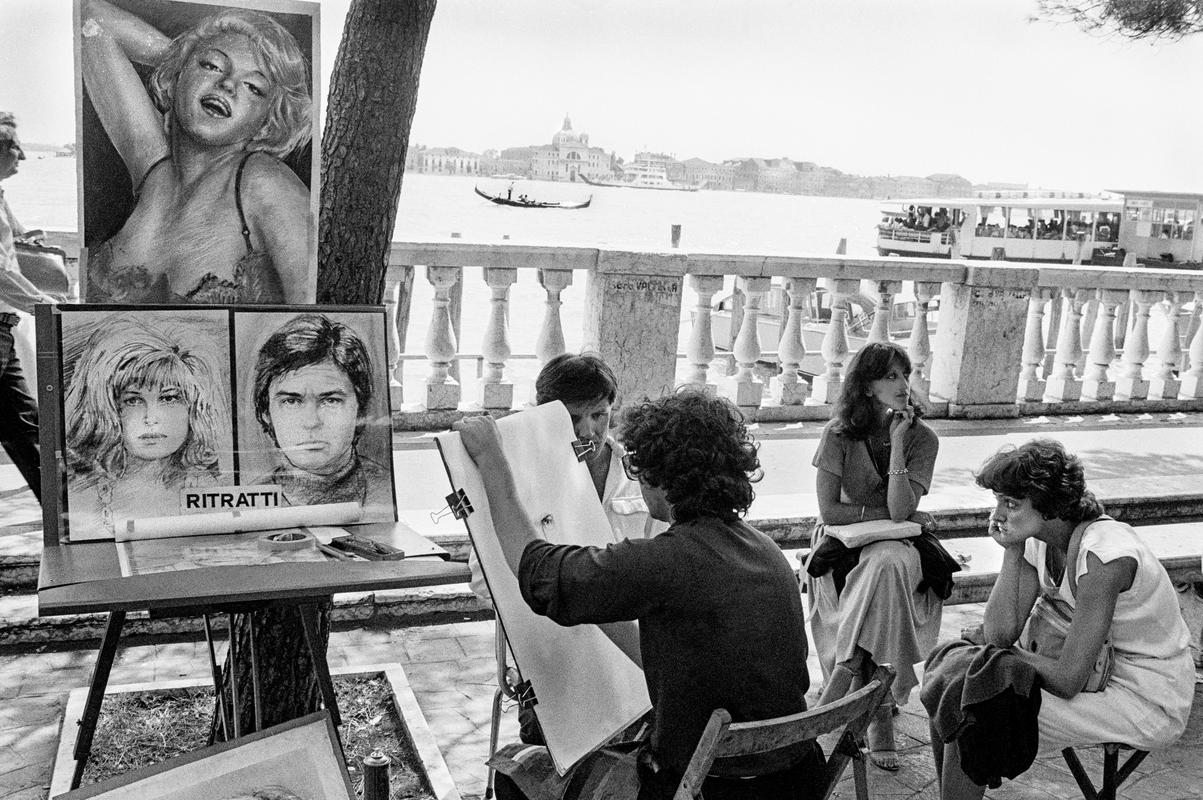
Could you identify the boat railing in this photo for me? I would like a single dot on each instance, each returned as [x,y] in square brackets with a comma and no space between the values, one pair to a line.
[897,234]
[1084,340]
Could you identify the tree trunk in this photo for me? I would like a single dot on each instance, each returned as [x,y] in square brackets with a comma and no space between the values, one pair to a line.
[373,92]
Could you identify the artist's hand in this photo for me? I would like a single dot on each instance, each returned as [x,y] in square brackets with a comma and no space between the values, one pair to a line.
[480,437]
[925,520]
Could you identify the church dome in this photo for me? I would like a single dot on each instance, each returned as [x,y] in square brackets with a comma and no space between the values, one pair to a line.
[567,136]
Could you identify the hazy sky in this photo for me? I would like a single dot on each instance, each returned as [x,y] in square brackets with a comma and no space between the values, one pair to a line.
[867,86]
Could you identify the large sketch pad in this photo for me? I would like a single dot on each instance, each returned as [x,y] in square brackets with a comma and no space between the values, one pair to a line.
[587,689]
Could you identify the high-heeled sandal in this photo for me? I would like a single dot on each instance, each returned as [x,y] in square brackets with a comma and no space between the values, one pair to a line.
[883,751]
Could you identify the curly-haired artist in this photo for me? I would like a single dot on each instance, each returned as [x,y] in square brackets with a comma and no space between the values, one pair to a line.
[720,619]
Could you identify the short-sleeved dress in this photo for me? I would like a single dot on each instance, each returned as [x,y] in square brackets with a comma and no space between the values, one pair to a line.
[1148,699]
[878,609]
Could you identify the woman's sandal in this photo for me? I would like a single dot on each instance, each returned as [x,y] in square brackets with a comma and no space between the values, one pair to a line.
[882,750]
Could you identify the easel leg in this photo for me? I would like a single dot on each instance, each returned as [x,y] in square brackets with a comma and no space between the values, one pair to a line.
[100,679]
[216,672]
[256,696]
[309,615]
[234,678]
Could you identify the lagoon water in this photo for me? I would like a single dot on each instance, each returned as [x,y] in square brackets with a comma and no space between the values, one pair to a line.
[431,208]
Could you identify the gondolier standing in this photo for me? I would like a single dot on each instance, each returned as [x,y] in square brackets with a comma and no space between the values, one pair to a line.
[18,409]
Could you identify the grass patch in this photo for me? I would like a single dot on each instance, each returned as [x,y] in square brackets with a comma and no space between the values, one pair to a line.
[139,729]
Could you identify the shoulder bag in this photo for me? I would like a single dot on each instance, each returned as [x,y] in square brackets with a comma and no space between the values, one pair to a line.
[1051,617]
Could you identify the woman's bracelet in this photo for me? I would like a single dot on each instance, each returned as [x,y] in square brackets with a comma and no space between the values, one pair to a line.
[902,471]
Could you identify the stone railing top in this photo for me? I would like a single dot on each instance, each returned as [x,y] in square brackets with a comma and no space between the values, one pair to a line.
[1092,277]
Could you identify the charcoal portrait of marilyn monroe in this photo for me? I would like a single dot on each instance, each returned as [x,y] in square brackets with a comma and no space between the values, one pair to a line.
[314,398]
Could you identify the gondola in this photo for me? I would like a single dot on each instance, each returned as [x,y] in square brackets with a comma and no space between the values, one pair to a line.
[503,201]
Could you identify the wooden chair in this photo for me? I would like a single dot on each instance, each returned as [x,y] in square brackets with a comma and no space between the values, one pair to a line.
[723,738]
[1113,773]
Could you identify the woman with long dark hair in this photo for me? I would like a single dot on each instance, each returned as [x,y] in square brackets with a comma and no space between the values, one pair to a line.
[872,606]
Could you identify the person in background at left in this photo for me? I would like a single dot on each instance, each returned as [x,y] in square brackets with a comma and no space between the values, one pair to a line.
[18,407]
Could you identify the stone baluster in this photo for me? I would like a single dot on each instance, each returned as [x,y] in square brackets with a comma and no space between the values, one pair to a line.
[746,391]
[1031,374]
[398,290]
[1131,384]
[1189,325]
[699,348]
[396,364]
[880,332]
[1096,384]
[1164,385]
[1090,313]
[550,342]
[442,390]
[1192,378]
[1056,308]
[1063,385]
[495,392]
[826,387]
[792,347]
[919,346]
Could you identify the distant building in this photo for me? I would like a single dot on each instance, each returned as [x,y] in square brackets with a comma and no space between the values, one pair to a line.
[708,175]
[449,161]
[948,185]
[568,156]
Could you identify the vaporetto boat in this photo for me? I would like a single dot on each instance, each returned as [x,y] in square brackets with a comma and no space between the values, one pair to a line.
[1048,229]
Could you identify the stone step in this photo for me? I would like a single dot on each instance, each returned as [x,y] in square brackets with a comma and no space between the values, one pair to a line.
[1178,545]
[20,625]
[1174,500]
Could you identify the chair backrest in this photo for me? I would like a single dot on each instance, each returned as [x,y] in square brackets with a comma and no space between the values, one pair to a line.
[723,738]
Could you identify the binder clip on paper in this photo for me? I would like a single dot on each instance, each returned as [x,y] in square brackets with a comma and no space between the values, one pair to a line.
[458,506]
[582,448]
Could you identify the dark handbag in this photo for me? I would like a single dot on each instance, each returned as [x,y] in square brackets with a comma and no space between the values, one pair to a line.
[45,267]
[1051,617]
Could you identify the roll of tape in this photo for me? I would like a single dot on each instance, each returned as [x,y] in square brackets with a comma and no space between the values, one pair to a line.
[287,540]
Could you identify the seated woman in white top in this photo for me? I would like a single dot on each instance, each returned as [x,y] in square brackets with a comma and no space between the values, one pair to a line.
[1123,594]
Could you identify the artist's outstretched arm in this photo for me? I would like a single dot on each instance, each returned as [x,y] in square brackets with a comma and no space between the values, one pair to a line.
[112,39]
[513,525]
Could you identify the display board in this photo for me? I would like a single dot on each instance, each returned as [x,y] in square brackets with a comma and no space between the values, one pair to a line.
[169,421]
[587,688]
[299,760]
[197,126]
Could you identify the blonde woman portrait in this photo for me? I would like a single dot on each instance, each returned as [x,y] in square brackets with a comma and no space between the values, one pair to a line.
[145,417]
[212,213]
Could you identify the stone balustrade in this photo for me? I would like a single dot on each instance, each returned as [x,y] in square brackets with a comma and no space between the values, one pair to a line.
[989,357]
[1011,339]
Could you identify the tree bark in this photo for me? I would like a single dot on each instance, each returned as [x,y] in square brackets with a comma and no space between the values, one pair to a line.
[373,92]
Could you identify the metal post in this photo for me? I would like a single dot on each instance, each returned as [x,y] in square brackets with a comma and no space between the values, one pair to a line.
[375,776]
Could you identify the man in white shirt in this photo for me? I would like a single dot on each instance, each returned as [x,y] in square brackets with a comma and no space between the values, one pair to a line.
[18,408]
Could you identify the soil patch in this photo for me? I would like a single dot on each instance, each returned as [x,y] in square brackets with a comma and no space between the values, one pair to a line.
[138,729]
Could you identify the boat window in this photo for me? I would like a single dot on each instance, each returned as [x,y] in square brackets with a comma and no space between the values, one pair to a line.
[991,222]
[1172,223]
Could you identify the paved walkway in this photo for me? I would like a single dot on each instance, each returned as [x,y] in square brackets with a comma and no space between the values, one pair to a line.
[451,666]
[451,670]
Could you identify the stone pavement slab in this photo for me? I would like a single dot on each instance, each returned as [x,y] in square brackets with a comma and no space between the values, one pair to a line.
[451,671]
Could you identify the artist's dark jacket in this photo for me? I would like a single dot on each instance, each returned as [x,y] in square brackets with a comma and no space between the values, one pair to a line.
[988,700]
[720,625]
